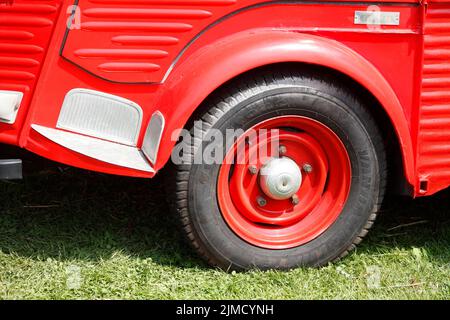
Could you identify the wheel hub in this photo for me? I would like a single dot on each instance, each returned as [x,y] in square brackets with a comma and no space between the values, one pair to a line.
[280,178]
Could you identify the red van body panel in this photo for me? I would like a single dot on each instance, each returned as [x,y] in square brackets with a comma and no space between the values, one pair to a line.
[167,56]
[25,31]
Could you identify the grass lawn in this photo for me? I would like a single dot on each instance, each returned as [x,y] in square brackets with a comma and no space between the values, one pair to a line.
[77,235]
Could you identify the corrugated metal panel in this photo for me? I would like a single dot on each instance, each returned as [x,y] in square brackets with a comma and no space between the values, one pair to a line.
[136,41]
[25,30]
[434,126]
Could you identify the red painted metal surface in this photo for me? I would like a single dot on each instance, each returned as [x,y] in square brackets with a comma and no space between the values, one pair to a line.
[433,162]
[281,224]
[176,52]
[229,58]
[206,64]
[25,30]
[137,41]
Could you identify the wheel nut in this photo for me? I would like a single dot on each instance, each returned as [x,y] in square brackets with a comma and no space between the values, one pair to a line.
[295,200]
[283,150]
[253,169]
[261,201]
[307,168]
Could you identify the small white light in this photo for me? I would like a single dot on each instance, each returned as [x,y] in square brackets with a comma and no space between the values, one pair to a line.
[9,105]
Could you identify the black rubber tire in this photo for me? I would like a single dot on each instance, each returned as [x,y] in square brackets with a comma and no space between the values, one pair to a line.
[242,104]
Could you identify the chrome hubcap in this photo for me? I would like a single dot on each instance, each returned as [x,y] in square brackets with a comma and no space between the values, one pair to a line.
[280,178]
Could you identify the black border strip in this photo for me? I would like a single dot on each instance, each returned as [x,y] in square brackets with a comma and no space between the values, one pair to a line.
[220,20]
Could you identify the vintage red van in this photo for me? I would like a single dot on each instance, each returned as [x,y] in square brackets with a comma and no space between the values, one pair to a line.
[358,93]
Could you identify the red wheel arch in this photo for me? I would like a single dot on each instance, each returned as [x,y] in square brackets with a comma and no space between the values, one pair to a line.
[251,49]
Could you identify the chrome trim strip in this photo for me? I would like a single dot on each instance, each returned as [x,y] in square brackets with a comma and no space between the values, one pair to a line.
[377,18]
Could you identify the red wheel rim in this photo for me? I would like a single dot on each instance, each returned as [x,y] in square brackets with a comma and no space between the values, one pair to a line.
[284,224]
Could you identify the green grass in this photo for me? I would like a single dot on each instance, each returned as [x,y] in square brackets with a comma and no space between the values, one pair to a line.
[117,234]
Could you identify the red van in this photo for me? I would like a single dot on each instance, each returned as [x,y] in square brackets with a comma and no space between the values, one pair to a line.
[349,100]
